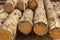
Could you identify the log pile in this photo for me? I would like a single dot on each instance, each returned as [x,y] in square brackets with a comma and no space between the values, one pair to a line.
[38,17]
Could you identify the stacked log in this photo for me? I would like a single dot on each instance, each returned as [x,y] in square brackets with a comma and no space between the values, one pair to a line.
[40,20]
[3,16]
[33,4]
[22,4]
[25,24]
[54,23]
[9,27]
[56,6]
[10,5]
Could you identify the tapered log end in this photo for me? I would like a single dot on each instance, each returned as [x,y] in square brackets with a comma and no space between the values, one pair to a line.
[25,27]
[33,4]
[8,7]
[40,29]
[20,5]
[55,33]
[5,35]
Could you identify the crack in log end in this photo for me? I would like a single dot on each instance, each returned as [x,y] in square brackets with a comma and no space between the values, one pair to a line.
[8,7]
[5,35]
[55,33]
[25,27]
[40,29]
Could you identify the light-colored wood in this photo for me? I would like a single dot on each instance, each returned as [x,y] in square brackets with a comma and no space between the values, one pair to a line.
[53,20]
[40,20]
[3,16]
[10,5]
[22,4]
[9,27]
[25,24]
[33,4]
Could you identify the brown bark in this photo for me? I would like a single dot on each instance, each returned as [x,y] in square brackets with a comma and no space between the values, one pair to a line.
[53,20]
[25,24]
[10,5]
[22,4]
[40,20]
[9,27]
[33,4]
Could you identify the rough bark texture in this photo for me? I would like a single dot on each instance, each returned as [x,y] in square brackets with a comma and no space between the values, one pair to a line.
[25,25]
[9,27]
[53,20]
[3,16]
[40,20]
[10,5]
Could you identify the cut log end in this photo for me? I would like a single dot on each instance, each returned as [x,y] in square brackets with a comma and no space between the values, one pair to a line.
[5,35]
[40,29]
[8,7]
[33,4]
[55,33]
[20,5]
[25,27]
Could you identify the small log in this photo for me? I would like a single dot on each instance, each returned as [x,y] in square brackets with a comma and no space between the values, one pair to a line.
[22,4]
[25,24]
[40,20]
[10,5]
[33,4]
[9,27]
[53,20]
[3,16]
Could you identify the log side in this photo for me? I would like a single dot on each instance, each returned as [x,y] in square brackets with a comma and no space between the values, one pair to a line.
[40,20]
[25,24]
[53,20]
[9,27]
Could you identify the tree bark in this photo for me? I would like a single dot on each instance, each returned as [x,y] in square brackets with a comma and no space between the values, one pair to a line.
[53,20]
[3,16]
[25,24]
[40,20]
[9,27]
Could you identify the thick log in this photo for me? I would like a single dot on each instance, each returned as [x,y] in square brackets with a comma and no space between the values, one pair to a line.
[10,5]
[22,4]
[33,4]
[40,20]
[3,16]
[53,20]
[25,24]
[9,27]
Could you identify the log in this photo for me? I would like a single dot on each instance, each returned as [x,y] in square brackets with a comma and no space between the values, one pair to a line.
[54,23]
[9,27]
[10,5]
[56,6]
[25,24]
[56,39]
[40,20]
[33,4]
[3,16]
[22,4]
